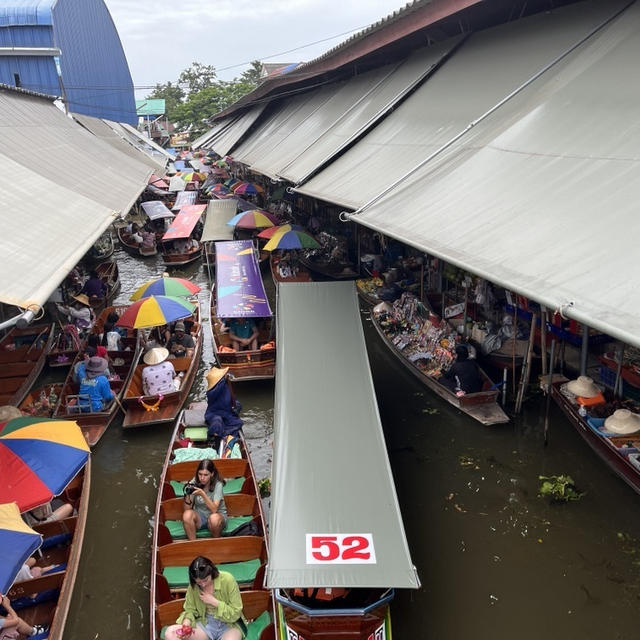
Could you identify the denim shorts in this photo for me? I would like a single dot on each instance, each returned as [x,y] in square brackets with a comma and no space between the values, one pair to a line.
[204,517]
[214,628]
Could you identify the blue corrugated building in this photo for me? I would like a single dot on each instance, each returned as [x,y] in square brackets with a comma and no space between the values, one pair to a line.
[67,48]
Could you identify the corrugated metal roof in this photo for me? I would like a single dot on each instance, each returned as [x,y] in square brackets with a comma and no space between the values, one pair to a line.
[331,473]
[223,143]
[151,107]
[26,12]
[542,196]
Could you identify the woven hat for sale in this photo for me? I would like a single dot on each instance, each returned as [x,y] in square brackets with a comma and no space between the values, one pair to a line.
[584,387]
[623,421]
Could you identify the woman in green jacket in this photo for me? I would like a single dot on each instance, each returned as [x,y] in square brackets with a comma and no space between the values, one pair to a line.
[212,607]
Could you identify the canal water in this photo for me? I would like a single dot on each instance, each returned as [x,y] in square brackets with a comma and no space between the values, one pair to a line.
[495,560]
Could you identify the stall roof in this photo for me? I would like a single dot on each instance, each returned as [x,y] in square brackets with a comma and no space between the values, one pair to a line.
[41,138]
[219,212]
[102,130]
[227,139]
[541,197]
[353,109]
[183,198]
[481,72]
[156,210]
[218,128]
[183,224]
[331,474]
[239,288]
[141,138]
[46,229]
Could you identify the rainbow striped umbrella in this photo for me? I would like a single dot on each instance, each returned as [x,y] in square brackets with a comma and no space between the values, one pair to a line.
[247,189]
[253,219]
[194,176]
[155,311]
[166,286]
[38,459]
[268,233]
[220,189]
[288,238]
[231,182]
[17,542]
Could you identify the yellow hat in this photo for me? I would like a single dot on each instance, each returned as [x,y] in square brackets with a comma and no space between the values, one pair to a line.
[214,375]
[83,298]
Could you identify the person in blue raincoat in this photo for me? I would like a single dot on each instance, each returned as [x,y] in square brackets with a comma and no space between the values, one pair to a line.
[95,392]
[221,416]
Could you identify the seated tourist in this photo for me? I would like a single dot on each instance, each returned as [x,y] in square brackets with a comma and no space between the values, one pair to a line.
[180,344]
[158,376]
[243,333]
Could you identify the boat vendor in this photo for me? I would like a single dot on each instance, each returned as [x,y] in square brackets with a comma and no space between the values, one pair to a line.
[221,416]
[159,374]
[204,505]
[212,607]
[80,314]
[148,238]
[464,375]
[180,344]
[94,287]
[243,333]
[94,386]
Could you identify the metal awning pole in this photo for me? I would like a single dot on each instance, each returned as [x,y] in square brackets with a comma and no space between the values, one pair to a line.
[584,351]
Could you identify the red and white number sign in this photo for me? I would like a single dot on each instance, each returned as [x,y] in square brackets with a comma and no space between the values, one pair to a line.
[340,548]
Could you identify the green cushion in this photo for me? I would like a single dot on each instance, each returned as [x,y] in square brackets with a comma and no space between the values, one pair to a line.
[197,434]
[232,485]
[176,528]
[162,632]
[257,626]
[243,572]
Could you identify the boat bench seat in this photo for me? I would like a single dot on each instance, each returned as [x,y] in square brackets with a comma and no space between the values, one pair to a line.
[176,528]
[232,485]
[196,434]
[244,573]
[50,595]
[254,627]
[56,541]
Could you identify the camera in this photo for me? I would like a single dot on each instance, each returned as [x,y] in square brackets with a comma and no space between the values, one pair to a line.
[190,487]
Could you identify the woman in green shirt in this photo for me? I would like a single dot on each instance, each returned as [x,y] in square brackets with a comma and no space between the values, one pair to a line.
[212,608]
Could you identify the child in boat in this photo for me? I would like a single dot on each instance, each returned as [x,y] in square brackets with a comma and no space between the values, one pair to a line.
[212,606]
[204,502]
[11,625]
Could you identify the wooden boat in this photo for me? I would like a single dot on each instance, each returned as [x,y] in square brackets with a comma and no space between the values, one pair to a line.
[172,258]
[95,423]
[322,266]
[108,273]
[102,249]
[244,556]
[64,347]
[131,247]
[23,353]
[46,600]
[42,401]
[333,563]
[283,269]
[366,288]
[481,406]
[141,410]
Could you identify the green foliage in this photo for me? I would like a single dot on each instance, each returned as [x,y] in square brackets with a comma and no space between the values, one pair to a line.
[264,486]
[559,488]
[198,94]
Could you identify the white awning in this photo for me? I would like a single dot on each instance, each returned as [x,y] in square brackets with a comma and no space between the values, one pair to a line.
[223,143]
[481,72]
[331,473]
[37,135]
[219,212]
[542,196]
[102,130]
[218,128]
[140,138]
[46,229]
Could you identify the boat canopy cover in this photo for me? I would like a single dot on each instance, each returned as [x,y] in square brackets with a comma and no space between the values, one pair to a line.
[542,196]
[333,494]
[177,184]
[239,288]
[183,198]
[219,212]
[156,209]
[223,143]
[183,223]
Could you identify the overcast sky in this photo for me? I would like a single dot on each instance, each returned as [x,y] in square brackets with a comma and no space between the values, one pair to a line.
[163,37]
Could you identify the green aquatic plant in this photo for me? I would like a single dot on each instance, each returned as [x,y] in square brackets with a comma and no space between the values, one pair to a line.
[559,488]
[265,487]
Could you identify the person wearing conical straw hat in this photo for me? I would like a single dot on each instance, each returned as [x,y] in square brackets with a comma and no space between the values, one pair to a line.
[221,416]
[80,314]
[159,374]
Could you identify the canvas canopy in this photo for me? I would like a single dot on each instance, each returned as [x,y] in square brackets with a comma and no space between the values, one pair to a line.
[141,139]
[183,224]
[219,212]
[239,288]
[541,196]
[184,198]
[331,474]
[226,140]
[156,210]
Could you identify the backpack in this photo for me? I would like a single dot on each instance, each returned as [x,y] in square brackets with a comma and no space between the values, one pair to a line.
[246,529]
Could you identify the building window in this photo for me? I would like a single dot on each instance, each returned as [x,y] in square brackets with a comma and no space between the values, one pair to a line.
[16,79]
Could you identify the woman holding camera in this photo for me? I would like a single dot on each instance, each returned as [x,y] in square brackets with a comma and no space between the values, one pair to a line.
[204,502]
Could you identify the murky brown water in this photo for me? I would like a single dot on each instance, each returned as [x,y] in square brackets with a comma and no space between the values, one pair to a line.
[496,562]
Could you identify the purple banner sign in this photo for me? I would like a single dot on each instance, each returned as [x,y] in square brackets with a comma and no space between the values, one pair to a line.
[239,289]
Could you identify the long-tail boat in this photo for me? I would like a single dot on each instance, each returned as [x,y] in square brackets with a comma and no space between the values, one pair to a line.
[334,558]
[286,267]
[23,354]
[481,406]
[46,599]
[180,231]
[142,410]
[243,556]
[132,247]
[239,293]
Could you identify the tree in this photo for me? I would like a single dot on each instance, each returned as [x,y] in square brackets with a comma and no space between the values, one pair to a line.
[252,75]
[172,94]
[198,77]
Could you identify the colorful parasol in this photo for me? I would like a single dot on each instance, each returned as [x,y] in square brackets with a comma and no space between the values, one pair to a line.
[268,233]
[231,182]
[17,542]
[38,459]
[155,311]
[247,189]
[220,190]
[166,286]
[194,176]
[253,219]
[288,238]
